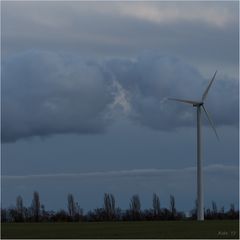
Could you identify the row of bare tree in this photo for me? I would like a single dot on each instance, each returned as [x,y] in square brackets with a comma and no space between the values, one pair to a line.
[109,212]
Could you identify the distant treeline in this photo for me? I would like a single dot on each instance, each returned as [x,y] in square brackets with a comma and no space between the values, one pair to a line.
[109,212]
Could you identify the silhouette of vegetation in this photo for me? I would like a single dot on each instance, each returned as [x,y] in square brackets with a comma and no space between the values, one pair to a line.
[156,206]
[36,206]
[109,212]
[19,209]
[135,207]
[109,207]
[74,210]
[172,207]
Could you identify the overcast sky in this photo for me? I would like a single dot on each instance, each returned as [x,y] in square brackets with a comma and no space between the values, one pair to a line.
[84,101]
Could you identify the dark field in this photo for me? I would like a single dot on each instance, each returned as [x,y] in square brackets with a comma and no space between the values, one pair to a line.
[157,229]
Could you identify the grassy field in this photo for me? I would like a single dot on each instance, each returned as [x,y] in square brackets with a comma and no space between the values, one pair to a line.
[156,229]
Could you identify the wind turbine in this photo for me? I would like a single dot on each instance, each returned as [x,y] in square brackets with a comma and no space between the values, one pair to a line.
[200,105]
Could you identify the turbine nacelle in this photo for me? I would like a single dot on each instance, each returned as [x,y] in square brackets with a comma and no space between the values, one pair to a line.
[200,103]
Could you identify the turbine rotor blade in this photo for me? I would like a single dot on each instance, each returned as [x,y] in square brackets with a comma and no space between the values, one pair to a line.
[210,121]
[184,101]
[208,87]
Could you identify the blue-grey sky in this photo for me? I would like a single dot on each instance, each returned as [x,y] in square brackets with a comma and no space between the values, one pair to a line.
[84,101]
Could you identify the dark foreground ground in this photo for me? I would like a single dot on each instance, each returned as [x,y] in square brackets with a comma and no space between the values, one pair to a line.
[157,229]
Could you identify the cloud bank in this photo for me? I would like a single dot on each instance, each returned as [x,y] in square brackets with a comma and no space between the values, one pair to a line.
[215,168]
[45,93]
[216,15]
[205,33]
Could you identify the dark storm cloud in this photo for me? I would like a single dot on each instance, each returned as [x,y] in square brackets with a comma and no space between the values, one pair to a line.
[151,78]
[45,93]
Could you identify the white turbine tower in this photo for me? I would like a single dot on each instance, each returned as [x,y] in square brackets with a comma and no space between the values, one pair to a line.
[199,105]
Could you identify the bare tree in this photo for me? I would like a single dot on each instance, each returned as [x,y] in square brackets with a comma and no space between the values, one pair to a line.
[156,205]
[214,208]
[222,210]
[71,206]
[172,206]
[19,209]
[109,206]
[79,212]
[194,211]
[3,215]
[232,213]
[135,207]
[36,206]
